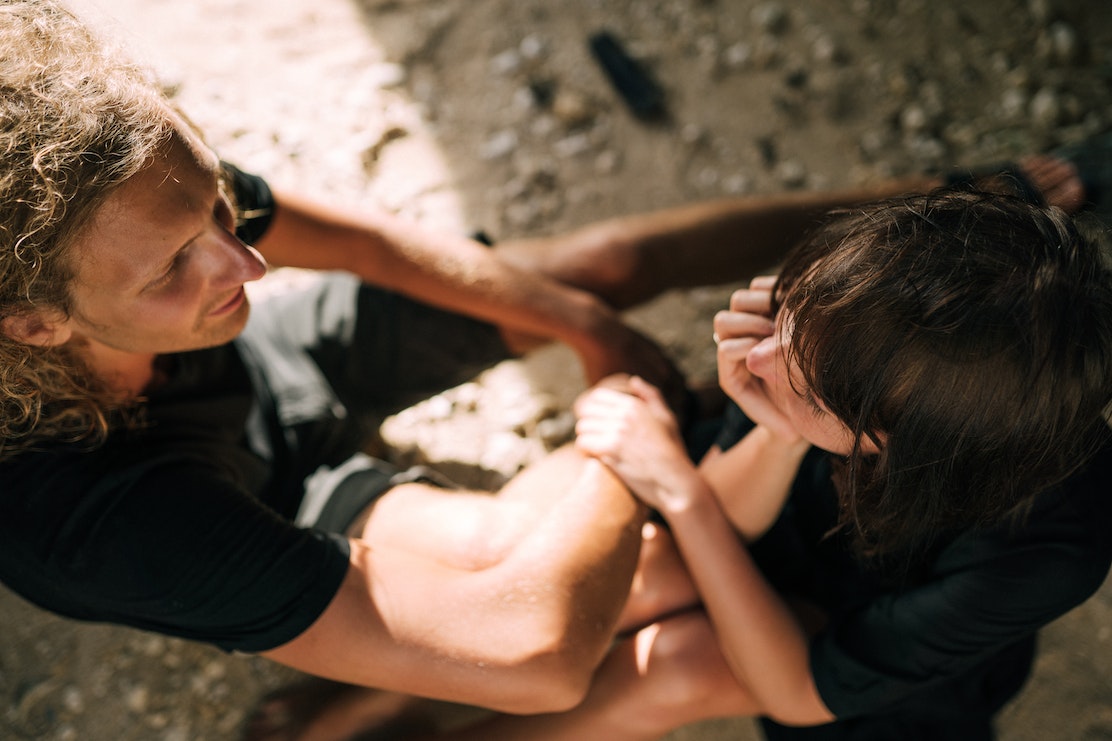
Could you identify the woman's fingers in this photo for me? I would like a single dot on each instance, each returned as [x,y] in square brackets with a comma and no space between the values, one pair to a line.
[752,302]
[763,283]
[736,324]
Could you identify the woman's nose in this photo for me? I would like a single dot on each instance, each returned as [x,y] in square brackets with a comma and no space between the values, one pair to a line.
[760,359]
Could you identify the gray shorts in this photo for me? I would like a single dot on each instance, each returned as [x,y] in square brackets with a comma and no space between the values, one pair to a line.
[331,358]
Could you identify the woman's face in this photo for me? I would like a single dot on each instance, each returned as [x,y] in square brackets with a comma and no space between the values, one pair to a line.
[784,385]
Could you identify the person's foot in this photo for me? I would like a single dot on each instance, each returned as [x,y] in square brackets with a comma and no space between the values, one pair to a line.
[321,710]
[1056,179]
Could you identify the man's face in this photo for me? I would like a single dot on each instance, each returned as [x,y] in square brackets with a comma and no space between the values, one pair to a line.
[159,268]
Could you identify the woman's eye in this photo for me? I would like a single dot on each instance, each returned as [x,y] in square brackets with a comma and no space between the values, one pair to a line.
[813,404]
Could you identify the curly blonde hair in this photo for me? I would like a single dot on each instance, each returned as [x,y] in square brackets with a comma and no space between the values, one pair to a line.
[77,119]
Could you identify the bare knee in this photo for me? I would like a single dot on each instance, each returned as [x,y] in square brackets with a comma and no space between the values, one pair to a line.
[662,585]
[687,678]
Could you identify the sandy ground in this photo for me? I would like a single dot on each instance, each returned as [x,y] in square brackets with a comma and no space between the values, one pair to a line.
[490,114]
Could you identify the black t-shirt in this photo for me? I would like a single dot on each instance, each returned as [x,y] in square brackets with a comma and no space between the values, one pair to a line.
[926,643]
[167,528]
[181,526]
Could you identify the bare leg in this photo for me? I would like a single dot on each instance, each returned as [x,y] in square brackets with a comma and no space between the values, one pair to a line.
[630,259]
[665,676]
[661,586]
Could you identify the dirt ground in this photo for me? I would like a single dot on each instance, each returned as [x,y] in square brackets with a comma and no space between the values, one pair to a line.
[492,115]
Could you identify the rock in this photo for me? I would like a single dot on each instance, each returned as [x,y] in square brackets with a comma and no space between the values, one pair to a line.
[137,699]
[573,109]
[1059,45]
[737,56]
[771,17]
[791,173]
[1045,108]
[499,145]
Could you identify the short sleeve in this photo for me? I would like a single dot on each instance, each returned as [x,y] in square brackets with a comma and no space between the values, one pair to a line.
[254,203]
[990,594]
[179,550]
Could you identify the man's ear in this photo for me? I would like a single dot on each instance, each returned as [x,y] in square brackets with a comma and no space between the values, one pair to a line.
[36,328]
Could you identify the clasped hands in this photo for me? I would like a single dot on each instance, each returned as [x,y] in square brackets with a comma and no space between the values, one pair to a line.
[624,422]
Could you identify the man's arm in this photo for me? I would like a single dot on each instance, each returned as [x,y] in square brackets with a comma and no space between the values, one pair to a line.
[506,601]
[460,275]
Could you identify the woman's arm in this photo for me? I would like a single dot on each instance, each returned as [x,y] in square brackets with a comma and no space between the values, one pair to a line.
[763,642]
[751,481]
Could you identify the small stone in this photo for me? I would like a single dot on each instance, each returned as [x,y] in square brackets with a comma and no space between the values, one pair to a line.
[738,56]
[572,108]
[438,407]
[770,17]
[571,146]
[606,163]
[1013,104]
[1059,44]
[506,63]
[791,173]
[387,75]
[498,145]
[532,47]
[1045,108]
[137,698]
[693,135]
[73,700]
[737,184]
[826,50]
[913,119]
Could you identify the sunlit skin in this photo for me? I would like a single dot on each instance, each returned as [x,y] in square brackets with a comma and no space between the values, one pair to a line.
[158,269]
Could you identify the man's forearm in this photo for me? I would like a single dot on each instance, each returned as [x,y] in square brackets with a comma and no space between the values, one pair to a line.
[456,274]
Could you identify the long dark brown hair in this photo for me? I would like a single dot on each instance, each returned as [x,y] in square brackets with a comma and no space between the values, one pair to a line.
[970,337]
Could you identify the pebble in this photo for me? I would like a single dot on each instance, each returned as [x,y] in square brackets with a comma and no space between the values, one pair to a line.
[499,145]
[770,17]
[1045,108]
[137,699]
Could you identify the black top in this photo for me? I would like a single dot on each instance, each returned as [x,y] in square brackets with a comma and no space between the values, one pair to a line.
[177,527]
[924,640]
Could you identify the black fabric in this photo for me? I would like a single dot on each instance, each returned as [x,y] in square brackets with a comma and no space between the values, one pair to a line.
[951,641]
[254,203]
[186,525]
[164,528]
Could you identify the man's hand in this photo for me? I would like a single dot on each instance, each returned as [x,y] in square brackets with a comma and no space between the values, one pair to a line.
[619,349]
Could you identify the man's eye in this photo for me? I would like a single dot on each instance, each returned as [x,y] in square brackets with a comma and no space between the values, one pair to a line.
[166,277]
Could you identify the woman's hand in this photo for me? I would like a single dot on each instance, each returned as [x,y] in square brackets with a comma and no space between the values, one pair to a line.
[737,331]
[627,426]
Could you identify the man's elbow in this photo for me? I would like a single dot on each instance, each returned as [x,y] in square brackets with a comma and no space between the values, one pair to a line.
[551,674]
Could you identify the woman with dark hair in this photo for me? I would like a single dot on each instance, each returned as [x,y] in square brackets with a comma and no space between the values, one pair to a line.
[916,466]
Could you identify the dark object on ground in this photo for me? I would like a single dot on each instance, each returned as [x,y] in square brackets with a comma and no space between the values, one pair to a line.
[630,78]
